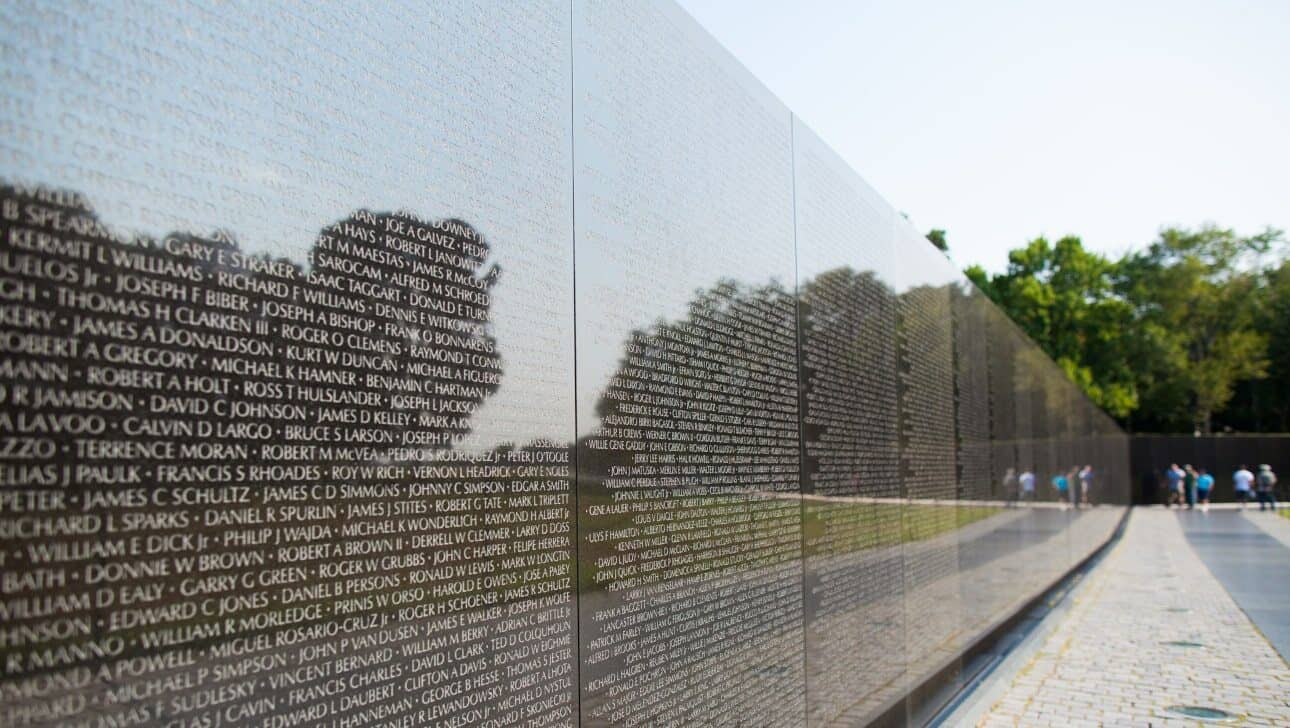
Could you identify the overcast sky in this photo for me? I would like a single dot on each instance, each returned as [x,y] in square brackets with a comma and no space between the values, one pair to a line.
[1001,120]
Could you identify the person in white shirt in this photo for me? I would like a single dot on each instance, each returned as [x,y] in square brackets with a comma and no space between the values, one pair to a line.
[1027,480]
[1242,480]
[1085,484]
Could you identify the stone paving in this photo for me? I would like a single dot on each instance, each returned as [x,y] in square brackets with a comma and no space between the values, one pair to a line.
[1273,523]
[1108,663]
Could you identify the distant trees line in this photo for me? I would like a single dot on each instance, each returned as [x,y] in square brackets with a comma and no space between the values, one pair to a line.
[1190,334]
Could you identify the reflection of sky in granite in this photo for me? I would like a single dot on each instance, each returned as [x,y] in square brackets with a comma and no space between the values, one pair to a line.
[164,124]
[841,220]
[683,177]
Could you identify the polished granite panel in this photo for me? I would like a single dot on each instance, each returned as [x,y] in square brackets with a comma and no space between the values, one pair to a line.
[288,307]
[925,280]
[852,509]
[976,477]
[688,453]
[1005,451]
[298,424]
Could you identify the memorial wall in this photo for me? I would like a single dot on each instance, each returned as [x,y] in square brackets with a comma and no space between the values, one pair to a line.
[487,364]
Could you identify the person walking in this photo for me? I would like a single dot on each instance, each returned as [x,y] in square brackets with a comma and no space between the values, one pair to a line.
[1189,485]
[1243,482]
[1267,485]
[1174,478]
[1204,485]
[1027,481]
[1085,484]
[1063,486]
[1010,487]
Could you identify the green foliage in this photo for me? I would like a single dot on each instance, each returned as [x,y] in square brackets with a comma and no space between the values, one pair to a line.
[1162,338]
[1263,405]
[1064,297]
[937,238]
[1273,317]
[1197,293]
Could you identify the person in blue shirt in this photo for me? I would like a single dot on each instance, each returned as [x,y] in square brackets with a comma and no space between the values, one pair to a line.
[1027,480]
[1061,484]
[1174,475]
[1204,486]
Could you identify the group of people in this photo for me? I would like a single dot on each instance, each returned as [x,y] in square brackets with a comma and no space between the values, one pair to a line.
[1188,486]
[1073,487]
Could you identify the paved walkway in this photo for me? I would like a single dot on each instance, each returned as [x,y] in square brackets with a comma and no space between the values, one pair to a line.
[1109,662]
[1253,566]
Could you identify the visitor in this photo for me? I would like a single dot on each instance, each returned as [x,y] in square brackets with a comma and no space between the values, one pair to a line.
[1027,481]
[1085,483]
[1204,485]
[1010,487]
[1062,485]
[1189,485]
[1242,481]
[1267,485]
[1174,477]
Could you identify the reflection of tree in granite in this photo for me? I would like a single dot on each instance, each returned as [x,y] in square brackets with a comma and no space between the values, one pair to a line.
[727,366]
[309,414]
[927,430]
[850,448]
[975,474]
[408,319]
[853,582]
[928,457]
[338,397]
[688,547]
[387,289]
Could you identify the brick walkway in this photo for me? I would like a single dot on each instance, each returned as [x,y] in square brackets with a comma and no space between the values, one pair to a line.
[1107,663]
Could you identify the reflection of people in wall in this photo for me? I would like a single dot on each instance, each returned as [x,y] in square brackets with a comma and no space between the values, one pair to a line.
[1085,484]
[1010,487]
[1027,482]
[1062,485]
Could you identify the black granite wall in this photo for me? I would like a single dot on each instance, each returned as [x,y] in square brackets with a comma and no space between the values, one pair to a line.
[487,364]
[1221,455]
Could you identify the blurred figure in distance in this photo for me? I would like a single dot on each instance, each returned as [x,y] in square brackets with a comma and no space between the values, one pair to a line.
[1174,477]
[1027,481]
[1085,484]
[1189,485]
[1204,486]
[1267,485]
[1243,482]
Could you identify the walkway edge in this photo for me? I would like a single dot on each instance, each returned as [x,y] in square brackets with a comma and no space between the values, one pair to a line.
[1022,636]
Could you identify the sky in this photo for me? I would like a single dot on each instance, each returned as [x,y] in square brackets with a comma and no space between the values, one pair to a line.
[1003,120]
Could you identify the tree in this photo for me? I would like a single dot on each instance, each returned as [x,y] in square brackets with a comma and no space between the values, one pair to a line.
[1162,338]
[937,238]
[1271,397]
[1064,297]
[1194,294]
